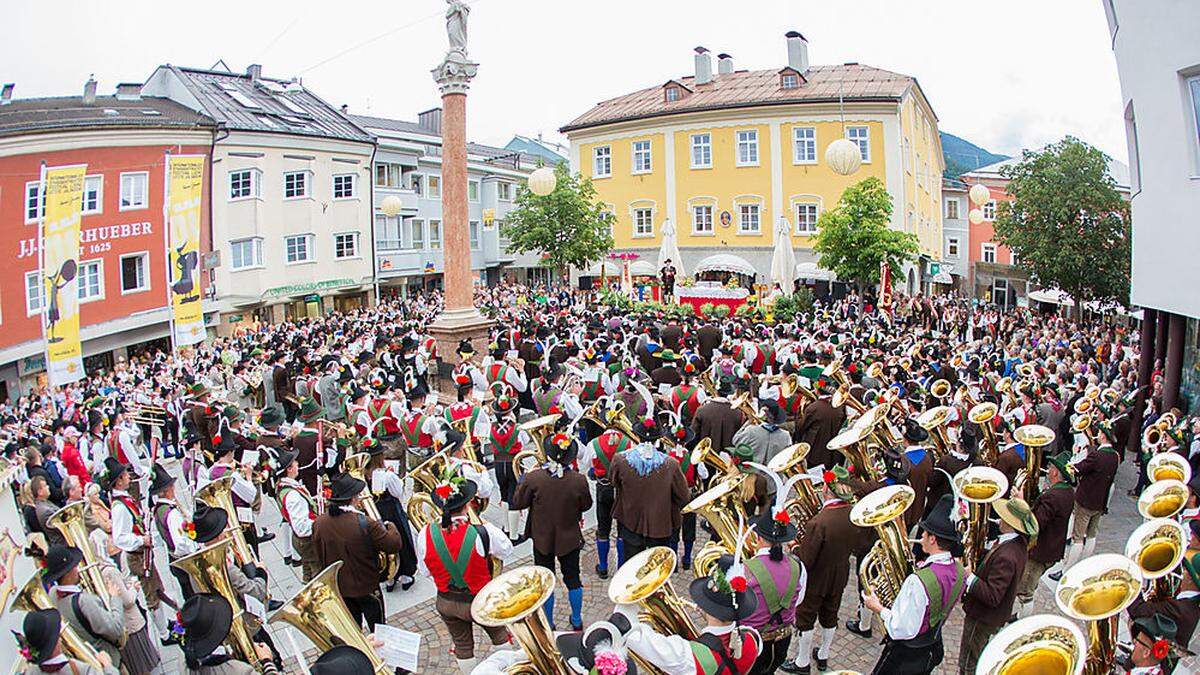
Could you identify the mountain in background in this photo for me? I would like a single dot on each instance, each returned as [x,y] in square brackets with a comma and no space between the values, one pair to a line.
[962,155]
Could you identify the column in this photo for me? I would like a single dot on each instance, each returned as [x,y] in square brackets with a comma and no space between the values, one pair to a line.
[1173,371]
[1160,339]
[1145,371]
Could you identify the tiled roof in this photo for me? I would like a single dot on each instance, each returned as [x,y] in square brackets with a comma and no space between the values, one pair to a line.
[751,88]
[305,115]
[37,115]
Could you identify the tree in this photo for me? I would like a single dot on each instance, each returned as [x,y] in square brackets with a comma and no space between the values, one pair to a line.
[1067,223]
[569,227]
[853,238]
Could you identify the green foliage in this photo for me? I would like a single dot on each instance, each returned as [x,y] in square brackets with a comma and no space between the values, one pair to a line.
[569,227]
[853,238]
[721,311]
[615,299]
[1067,223]
[706,308]
[787,307]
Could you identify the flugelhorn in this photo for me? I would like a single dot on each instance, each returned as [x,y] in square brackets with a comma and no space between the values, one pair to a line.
[514,600]
[356,466]
[645,580]
[32,597]
[1096,590]
[978,486]
[1158,546]
[1162,499]
[206,568]
[1169,466]
[219,494]
[69,521]
[1045,644]
[890,560]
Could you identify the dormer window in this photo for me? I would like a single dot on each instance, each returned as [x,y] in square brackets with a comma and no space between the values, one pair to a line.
[674,91]
[673,94]
[790,78]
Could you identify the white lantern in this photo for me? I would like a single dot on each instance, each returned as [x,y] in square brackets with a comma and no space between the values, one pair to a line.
[391,206]
[975,216]
[980,194]
[543,181]
[843,156]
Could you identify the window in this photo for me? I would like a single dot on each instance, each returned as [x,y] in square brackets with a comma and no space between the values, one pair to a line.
[133,272]
[951,247]
[861,136]
[91,280]
[34,208]
[343,186]
[989,210]
[388,175]
[701,151]
[473,232]
[1012,257]
[952,209]
[435,234]
[472,190]
[790,81]
[34,297]
[243,184]
[747,148]
[989,253]
[806,218]
[416,183]
[1194,88]
[601,161]
[295,184]
[748,220]
[504,191]
[241,98]
[93,194]
[134,190]
[245,253]
[643,222]
[804,145]
[672,94]
[702,219]
[387,232]
[434,183]
[418,235]
[298,248]
[641,157]
[345,245]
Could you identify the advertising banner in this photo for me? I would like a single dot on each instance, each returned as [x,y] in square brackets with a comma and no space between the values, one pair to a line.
[185,190]
[62,201]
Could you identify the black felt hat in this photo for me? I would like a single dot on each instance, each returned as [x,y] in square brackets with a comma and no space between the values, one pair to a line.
[913,432]
[60,559]
[41,629]
[648,430]
[113,469]
[579,650]
[210,522]
[561,447]
[716,596]
[342,660]
[1158,626]
[938,521]
[206,619]
[774,531]
[345,487]
[161,480]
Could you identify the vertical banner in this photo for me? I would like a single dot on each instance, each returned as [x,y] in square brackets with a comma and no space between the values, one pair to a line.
[885,285]
[62,200]
[185,183]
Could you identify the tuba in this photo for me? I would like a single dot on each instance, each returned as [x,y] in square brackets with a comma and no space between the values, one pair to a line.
[538,429]
[853,444]
[1158,546]
[1169,465]
[420,509]
[318,611]
[889,561]
[978,486]
[206,568]
[219,494]
[1096,590]
[645,580]
[940,389]
[1162,499]
[703,453]
[69,521]
[743,404]
[982,415]
[720,505]
[934,421]
[356,466]
[1034,437]
[843,397]
[33,596]
[514,600]
[789,462]
[1046,644]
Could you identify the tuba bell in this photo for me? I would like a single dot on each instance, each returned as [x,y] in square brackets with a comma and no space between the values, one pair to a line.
[1045,644]
[703,453]
[318,611]
[720,506]
[1096,590]
[69,521]
[789,462]
[645,580]
[206,568]
[889,561]
[940,389]
[1162,499]
[356,466]
[514,600]
[219,494]
[853,444]
[982,414]
[33,596]
[1034,437]
[538,429]
[978,486]
[1169,466]
[1158,546]
[934,421]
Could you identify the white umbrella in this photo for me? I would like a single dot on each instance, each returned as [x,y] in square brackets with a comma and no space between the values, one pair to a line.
[669,250]
[783,261]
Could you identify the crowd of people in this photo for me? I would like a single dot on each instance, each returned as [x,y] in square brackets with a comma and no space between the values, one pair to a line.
[755,455]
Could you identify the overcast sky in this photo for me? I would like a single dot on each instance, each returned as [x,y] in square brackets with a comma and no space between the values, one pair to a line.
[1009,75]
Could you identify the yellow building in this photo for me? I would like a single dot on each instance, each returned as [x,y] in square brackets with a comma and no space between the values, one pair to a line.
[725,155]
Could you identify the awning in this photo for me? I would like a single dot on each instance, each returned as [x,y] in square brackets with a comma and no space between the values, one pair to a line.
[725,262]
[1051,296]
[642,268]
[943,277]
[603,268]
[810,270]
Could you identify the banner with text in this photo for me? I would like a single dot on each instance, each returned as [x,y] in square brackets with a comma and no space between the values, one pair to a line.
[62,201]
[185,189]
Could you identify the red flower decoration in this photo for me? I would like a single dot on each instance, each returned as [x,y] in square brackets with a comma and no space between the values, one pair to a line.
[327,493]
[443,491]
[681,433]
[648,423]
[217,439]
[829,477]
[738,583]
[820,382]
[783,518]
[1160,649]
[853,368]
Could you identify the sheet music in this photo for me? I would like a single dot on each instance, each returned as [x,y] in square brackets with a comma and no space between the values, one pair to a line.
[400,649]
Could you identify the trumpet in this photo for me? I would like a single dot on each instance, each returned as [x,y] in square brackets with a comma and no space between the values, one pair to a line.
[32,597]
[890,560]
[979,486]
[1045,644]
[514,600]
[645,580]
[1158,546]
[1096,590]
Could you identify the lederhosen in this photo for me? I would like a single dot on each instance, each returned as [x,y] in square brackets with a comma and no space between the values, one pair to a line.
[923,653]
[505,438]
[162,510]
[607,446]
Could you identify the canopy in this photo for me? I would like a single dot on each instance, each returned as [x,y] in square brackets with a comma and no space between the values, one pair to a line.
[1052,296]
[670,249]
[943,277]
[725,262]
[783,259]
[603,268]
[810,270]
[642,268]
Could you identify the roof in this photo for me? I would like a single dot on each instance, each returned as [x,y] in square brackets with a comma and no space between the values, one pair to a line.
[954,184]
[40,115]
[477,149]
[747,88]
[389,124]
[536,147]
[264,104]
[1118,170]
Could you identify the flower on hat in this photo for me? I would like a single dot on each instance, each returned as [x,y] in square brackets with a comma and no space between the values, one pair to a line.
[681,433]
[189,528]
[327,493]
[24,648]
[648,423]
[216,439]
[444,491]
[1160,649]
[561,440]
[608,662]
[782,517]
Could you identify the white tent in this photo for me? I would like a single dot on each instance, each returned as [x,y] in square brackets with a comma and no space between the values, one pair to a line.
[642,268]
[605,268]
[1051,296]
[943,277]
[783,259]
[670,249]
[810,270]
[725,262]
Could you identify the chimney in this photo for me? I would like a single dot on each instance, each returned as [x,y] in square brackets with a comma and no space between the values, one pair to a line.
[254,71]
[89,91]
[345,109]
[703,66]
[431,119]
[129,91]
[724,64]
[6,94]
[797,52]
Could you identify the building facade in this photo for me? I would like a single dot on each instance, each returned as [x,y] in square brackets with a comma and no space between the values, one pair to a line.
[724,155]
[1158,60]
[954,268]
[123,139]
[292,198]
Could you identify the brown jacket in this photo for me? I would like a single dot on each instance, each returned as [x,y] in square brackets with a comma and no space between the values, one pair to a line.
[829,540]
[990,599]
[708,338]
[1052,509]
[820,423]
[556,506]
[1094,478]
[305,446]
[357,541]
[649,505]
[718,422]
[1009,463]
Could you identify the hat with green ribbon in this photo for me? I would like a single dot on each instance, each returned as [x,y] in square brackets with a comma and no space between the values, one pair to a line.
[310,411]
[1062,461]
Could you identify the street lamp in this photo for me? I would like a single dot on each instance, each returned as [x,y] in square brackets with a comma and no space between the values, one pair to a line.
[980,194]
[390,206]
[843,156]
[542,181]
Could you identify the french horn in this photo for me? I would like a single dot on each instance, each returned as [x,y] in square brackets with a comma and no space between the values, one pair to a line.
[890,559]
[978,486]
[645,580]
[1045,644]
[514,600]
[1096,590]
[1158,546]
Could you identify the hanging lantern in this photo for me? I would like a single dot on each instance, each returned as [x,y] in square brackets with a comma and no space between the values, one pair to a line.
[980,194]
[542,181]
[843,156]
[975,216]
[390,206]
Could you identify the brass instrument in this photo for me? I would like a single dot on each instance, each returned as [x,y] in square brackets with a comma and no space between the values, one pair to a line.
[514,600]
[1169,465]
[148,414]
[853,444]
[989,447]
[890,559]
[1158,547]
[1045,644]
[1154,435]
[32,597]
[1026,370]
[875,370]
[69,521]
[645,580]
[940,389]
[789,462]
[318,611]
[219,494]
[538,429]
[1162,499]
[206,568]
[934,421]
[1096,590]
[463,426]
[978,486]
[704,453]
[833,370]
[708,381]
[356,466]
[1034,437]
[721,506]
[742,402]
[427,474]
[1084,405]
[962,397]
[843,397]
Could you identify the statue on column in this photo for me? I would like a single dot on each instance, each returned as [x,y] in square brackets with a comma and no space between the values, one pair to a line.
[456,27]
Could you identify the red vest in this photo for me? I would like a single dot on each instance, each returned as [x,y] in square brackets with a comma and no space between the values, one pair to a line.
[684,457]
[506,437]
[497,372]
[475,573]
[607,445]
[765,357]
[412,431]
[686,393]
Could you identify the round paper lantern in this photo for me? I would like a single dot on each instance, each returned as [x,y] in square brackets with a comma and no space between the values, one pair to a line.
[975,216]
[843,156]
[391,206]
[542,181]
[980,194]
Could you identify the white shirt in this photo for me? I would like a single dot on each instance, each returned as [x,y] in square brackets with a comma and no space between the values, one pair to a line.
[133,450]
[383,480]
[671,654]
[297,507]
[903,621]
[499,543]
[122,525]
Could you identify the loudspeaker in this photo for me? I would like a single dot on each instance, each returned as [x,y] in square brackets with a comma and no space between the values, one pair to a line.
[585,283]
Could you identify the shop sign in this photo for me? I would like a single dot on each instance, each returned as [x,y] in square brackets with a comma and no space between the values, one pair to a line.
[32,364]
[296,289]
[489,219]
[934,268]
[211,260]
[235,318]
[95,239]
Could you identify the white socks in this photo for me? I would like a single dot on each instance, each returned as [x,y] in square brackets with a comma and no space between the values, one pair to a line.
[826,642]
[514,524]
[467,665]
[804,652]
[864,617]
[1073,554]
[1089,547]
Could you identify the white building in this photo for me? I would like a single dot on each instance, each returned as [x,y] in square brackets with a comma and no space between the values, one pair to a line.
[954,267]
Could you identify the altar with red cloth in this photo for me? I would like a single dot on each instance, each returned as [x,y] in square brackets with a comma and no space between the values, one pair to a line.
[699,295]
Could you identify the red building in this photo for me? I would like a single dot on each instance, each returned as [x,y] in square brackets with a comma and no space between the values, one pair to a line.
[123,140]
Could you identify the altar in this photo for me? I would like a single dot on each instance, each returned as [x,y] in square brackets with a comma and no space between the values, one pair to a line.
[708,292]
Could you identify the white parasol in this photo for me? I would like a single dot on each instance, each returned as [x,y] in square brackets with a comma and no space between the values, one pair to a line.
[669,250]
[783,261]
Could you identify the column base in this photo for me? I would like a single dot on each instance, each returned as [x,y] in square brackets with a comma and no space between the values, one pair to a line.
[450,328]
